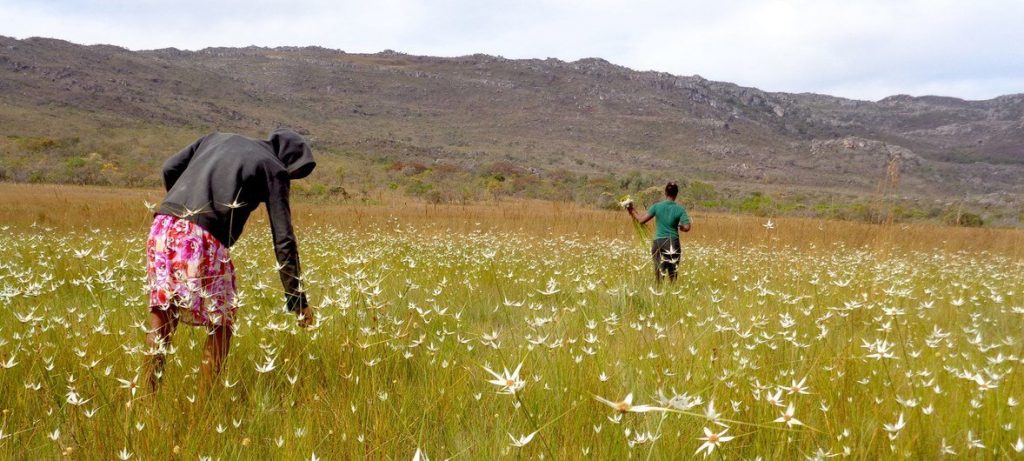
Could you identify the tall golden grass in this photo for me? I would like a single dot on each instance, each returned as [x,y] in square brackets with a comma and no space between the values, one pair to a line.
[60,206]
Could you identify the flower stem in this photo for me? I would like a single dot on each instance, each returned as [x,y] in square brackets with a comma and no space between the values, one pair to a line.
[533,422]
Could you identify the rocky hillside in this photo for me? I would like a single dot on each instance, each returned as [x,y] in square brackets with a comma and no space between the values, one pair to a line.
[588,118]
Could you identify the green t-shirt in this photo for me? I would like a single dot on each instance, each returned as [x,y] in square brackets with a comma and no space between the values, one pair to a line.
[668,216]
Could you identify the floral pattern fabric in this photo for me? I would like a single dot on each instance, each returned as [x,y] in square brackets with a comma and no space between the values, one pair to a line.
[190,272]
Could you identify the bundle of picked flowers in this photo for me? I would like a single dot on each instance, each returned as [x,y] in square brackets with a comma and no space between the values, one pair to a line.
[643,236]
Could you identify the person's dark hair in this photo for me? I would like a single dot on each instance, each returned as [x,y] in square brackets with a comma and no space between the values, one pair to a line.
[672,189]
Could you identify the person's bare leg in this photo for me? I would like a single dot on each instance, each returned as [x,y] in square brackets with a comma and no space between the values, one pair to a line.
[218,341]
[161,327]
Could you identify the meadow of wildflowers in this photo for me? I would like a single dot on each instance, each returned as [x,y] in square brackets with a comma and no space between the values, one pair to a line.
[492,343]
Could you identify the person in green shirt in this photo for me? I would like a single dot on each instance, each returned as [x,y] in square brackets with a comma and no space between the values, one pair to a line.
[670,218]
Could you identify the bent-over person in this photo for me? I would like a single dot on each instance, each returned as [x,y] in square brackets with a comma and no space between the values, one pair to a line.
[212,187]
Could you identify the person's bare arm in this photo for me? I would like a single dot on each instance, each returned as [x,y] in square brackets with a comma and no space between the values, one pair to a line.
[643,220]
[684,227]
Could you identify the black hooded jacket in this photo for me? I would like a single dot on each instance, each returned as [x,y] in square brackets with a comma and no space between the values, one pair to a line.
[221,178]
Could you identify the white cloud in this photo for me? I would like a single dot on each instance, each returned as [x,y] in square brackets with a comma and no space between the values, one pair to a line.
[862,49]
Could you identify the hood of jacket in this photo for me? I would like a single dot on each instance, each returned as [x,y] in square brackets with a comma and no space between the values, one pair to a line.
[293,151]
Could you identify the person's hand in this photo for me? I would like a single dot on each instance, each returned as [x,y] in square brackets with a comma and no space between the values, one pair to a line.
[306,317]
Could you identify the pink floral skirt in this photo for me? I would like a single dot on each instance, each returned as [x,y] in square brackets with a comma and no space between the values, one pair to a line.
[190,272]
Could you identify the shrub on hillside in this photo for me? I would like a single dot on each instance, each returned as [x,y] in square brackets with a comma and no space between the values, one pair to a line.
[963,219]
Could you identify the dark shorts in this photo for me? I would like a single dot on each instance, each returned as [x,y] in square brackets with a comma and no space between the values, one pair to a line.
[666,253]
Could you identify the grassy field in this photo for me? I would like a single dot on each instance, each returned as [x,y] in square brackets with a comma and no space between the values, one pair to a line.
[791,339]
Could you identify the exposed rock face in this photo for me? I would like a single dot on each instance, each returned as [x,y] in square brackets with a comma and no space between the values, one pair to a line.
[853,148]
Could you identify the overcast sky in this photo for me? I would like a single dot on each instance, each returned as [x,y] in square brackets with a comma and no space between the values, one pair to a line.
[864,49]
